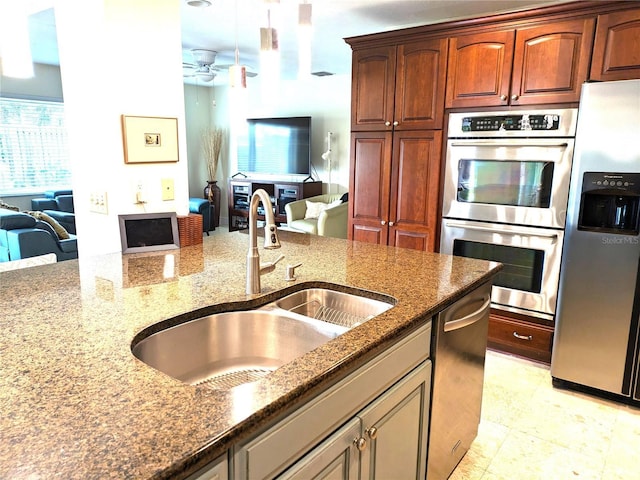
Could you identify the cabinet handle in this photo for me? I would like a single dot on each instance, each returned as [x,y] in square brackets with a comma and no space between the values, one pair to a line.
[387,123]
[382,222]
[360,443]
[372,432]
[503,97]
[391,224]
[514,97]
[395,124]
[523,337]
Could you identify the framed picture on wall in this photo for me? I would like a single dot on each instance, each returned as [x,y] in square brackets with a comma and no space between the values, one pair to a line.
[149,139]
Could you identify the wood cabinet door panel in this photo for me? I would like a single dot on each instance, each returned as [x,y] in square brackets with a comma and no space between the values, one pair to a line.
[616,50]
[480,69]
[369,175]
[373,88]
[415,182]
[420,84]
[551,62]
[369,179]
[417,240]
[362,232]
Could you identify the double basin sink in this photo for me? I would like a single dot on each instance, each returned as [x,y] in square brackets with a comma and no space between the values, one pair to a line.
[231,348]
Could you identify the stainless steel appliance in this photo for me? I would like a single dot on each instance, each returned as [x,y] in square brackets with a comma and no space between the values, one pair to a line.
[596,336]
[458,347]
[505,199]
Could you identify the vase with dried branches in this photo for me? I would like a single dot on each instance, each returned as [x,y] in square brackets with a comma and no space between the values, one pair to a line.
[212,142]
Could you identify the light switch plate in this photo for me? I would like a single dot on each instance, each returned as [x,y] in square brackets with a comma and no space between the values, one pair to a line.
[98,202]
[167,189]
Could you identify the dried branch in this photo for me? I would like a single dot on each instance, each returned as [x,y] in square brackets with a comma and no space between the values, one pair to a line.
[212,140]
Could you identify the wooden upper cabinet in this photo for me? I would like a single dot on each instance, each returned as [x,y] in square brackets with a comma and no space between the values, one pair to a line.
[537,65]
[373,88]
[421,75]
[616,51]
[480,69]
[551,62]
[399,87]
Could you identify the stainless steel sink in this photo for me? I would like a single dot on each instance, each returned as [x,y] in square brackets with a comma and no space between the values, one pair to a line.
[339,308]
[224,350]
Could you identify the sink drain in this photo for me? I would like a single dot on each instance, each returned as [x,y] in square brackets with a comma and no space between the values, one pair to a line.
[227,380]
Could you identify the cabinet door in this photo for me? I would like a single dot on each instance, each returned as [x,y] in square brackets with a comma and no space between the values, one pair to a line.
[372,88]
[415,183]
[616,52]
[480,69]
[551,62]
[420,83]
[369,182]
[395,428]
[337,458]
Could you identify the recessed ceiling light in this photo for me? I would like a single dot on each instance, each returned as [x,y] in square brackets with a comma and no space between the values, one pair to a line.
[199,3]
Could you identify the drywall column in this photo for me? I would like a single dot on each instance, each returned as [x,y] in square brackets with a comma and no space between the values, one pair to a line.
[119,57]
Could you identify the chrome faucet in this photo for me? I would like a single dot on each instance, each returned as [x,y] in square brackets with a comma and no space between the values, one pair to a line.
[254,268]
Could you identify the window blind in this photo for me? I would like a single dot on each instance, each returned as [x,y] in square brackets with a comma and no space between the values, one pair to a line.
[34,150]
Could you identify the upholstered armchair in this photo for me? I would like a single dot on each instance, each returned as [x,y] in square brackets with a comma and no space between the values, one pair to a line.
[324,215]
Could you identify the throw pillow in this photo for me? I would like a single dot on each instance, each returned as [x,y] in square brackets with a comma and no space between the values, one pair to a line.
[9,207]
[335,203]
[59,229]
[314,209]
[345,197]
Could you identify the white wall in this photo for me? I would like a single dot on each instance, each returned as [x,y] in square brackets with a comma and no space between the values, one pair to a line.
[127,37]
[45,84]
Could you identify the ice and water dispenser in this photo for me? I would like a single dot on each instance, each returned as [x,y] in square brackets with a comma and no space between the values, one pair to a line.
[610,202]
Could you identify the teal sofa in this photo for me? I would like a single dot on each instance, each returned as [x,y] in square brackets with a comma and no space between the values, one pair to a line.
[59,205]
[23,236]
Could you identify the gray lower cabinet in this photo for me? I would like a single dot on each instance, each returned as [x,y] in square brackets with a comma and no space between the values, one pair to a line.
[372,424]
[387,439]
[216,470]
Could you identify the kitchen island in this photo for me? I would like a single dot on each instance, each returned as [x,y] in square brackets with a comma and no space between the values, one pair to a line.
[76,403]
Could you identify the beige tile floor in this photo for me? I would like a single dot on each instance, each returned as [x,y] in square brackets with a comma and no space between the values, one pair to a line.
[532,431]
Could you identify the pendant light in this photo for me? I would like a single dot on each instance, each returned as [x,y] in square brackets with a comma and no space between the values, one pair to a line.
[304,39]
[237,72]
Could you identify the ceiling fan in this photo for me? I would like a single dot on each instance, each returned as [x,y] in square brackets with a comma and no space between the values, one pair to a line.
[204,67]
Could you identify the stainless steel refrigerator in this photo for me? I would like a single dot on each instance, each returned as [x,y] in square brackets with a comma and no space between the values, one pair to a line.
[597,315]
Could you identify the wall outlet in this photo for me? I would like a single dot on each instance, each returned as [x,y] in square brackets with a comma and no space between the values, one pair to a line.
[167,189]
[98,203]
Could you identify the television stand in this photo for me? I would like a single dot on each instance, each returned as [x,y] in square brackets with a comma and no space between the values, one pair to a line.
[281,193]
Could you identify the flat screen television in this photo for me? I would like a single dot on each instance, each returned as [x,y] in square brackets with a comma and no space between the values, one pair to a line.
[276,146]
[148,232]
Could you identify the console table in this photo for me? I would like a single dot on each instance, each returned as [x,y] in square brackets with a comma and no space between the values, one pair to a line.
[281,193]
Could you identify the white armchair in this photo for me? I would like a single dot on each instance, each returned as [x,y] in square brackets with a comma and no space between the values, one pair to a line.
[319,215]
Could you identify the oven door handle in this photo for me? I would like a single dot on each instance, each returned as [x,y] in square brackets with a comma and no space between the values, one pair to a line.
[513,231]
[458,323]
[493,144]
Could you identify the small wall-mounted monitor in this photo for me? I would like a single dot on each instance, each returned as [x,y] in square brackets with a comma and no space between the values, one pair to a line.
[148,232]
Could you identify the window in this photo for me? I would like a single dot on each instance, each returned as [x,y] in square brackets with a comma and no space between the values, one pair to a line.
[34,152]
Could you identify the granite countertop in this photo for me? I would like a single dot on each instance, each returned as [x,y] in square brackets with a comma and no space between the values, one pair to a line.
[76,403]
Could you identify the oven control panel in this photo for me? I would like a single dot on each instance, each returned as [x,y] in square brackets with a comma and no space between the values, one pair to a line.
[500,123]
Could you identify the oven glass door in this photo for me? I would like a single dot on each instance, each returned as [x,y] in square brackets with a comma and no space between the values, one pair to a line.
[520,181]
[500,182]
[528,282]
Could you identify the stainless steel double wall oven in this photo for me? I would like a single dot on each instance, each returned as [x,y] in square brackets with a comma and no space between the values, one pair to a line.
[505,199]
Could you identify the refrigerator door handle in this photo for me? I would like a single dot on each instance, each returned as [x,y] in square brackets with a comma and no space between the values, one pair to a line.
[458,323]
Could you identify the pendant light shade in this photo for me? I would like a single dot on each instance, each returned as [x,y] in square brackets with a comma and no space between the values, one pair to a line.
[237,72]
